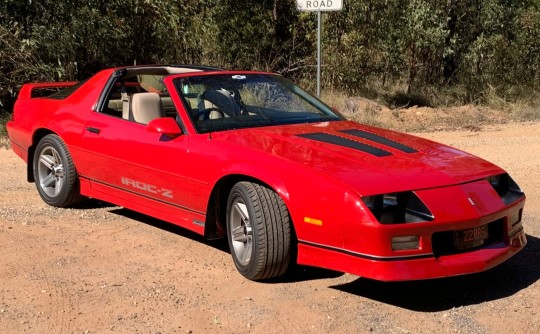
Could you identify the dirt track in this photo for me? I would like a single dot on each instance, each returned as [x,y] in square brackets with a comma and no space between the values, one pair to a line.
[101,268]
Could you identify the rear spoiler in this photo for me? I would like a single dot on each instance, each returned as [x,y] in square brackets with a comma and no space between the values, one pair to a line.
[43,89]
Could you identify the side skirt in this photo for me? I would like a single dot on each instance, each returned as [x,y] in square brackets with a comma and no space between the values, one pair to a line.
[191,220]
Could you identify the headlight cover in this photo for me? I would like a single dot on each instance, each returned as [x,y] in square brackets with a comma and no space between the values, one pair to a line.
[506,187]
[398,208]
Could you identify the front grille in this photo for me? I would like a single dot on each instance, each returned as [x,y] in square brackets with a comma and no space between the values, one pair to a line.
[443,242]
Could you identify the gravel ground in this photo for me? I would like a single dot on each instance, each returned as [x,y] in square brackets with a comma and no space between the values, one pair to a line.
[103,269]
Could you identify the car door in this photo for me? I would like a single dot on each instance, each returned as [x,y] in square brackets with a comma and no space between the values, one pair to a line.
[146,170]
[124,156]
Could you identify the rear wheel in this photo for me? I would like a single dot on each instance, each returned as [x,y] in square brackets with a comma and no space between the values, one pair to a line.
[258,231]
[54,173]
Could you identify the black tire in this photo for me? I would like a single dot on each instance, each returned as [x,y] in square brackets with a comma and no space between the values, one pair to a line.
[258,231]
[55,175]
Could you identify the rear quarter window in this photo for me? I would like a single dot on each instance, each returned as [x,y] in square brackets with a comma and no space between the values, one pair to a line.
[63,93]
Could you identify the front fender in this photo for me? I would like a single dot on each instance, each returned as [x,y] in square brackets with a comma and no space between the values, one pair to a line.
[320,208]
[262,173]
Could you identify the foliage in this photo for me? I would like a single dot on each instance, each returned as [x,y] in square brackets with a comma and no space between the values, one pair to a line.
[4,118]
[265,35]
[460,50]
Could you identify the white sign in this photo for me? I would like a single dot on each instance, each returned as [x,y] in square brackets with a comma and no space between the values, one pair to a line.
[319,5]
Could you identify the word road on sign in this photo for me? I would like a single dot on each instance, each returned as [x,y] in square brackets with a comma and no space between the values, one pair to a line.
[319,5]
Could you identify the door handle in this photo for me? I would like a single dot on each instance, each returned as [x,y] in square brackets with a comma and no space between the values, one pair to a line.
[92,129]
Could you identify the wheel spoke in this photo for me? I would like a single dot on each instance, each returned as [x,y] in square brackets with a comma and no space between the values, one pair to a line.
[242,210]
[47,160]
[48,181]
[239,235]
[58,185]
[56,156]
[246,255]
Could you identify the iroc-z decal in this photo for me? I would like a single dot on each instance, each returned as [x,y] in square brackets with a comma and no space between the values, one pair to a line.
[150,188]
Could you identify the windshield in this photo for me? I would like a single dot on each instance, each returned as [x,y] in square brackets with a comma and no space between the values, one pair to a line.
[232,101]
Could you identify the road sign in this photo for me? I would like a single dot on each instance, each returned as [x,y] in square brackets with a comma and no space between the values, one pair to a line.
[319,5]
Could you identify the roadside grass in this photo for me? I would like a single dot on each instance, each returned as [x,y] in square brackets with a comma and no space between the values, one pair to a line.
[434,110]
[526,107]
[525,113]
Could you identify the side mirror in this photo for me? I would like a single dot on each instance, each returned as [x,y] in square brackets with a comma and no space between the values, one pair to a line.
[164,125]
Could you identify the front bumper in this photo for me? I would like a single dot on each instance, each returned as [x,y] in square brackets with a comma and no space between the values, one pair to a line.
[407,268]
[367,246]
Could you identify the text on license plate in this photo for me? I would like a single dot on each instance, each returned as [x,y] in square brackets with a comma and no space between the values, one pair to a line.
[471,237]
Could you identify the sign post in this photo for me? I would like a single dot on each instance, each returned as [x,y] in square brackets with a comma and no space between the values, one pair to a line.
[319,6]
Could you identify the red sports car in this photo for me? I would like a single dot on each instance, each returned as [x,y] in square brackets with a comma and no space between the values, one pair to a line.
[252,157]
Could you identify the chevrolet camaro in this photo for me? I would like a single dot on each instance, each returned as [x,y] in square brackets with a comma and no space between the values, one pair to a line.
[251,157]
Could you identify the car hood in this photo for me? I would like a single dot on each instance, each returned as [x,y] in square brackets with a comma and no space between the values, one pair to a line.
[371,160]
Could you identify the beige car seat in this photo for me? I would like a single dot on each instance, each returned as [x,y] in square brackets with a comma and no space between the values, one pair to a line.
[146,107]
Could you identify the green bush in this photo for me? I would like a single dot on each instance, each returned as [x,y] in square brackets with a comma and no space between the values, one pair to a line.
[444,52]
[4,118]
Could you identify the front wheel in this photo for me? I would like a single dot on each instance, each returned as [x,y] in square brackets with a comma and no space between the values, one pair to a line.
[258,231]
[56,179]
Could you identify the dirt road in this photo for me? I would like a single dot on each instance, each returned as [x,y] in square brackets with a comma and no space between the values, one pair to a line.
[101,269]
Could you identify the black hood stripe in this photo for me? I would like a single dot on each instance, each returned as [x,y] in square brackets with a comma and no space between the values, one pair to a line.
[379,139]
[345,142]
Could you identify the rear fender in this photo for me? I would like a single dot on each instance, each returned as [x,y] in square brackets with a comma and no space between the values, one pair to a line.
[40,133]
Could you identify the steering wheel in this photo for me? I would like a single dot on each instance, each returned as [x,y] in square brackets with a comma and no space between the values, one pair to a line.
[206,113]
